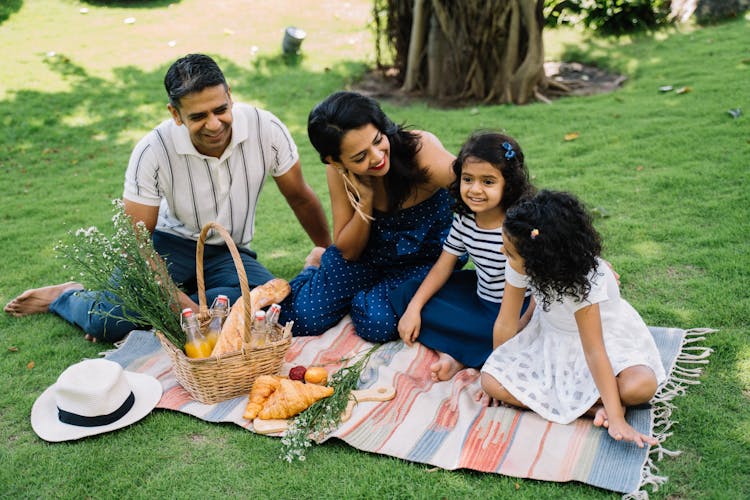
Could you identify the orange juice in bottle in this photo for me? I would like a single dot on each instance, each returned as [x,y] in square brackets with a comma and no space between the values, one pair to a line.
[196,345]
[258,332]
[219,312]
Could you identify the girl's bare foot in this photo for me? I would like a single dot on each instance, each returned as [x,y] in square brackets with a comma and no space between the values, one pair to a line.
[313,258]
[37,300]
[600,417]
[445,367]
[484,399]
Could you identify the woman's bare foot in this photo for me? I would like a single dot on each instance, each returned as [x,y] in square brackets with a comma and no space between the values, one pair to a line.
[37,300]
[600,417]
[313,258]
[445,367]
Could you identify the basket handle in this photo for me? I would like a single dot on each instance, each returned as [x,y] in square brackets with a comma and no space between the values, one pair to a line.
[237,264]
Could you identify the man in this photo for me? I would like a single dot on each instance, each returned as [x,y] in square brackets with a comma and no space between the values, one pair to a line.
[208,163]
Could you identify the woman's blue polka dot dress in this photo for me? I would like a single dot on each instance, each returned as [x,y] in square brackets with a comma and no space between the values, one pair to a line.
[402,246]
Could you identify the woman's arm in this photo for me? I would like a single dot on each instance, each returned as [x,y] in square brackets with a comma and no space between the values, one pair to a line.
[590,330]
[411,320]
[507,322]
[350,231]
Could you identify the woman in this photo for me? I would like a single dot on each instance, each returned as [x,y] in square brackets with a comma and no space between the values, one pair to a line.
[391,211]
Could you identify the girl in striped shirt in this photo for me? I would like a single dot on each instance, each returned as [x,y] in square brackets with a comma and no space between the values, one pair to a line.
[454,312]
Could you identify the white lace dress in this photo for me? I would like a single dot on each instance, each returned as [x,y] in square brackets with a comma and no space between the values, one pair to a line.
[544,367]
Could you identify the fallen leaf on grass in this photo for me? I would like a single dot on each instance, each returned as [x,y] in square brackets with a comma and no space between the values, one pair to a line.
[639,168]
[599,212]
[665,88]
[30,365]
[735,112]
[572,136]
[13,348]
[683,90]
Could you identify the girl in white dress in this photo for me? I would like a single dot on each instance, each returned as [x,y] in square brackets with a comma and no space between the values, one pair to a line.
[585,348]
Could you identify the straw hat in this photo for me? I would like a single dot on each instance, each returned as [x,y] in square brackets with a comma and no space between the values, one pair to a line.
[93,397]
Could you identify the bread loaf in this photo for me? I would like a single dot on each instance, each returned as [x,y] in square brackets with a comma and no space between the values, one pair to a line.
[231,338]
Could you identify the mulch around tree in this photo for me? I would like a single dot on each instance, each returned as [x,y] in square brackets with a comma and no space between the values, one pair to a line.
[581,80]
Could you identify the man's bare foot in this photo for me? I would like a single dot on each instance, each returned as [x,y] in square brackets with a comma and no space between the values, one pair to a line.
[313,258]
[445,367]
[90,338]
[37,300]
[600,417]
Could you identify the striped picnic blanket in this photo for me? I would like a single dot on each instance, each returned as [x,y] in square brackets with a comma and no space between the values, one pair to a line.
[442,424]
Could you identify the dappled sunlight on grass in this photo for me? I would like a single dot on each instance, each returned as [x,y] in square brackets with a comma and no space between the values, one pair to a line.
[743,368]
[78,118]
[278,254]
[648,249]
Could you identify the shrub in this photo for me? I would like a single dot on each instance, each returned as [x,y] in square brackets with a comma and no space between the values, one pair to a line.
[610,17]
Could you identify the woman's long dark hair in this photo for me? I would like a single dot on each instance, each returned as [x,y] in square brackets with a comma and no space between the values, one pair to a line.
[344,111]
[555,236]
[489,146]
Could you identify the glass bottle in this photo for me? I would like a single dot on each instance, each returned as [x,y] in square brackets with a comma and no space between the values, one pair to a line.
[258,330]
[218,312]
[272,321]
[196,345]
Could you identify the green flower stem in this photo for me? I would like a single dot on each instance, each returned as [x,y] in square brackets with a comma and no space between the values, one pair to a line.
[323,416]
[126,270]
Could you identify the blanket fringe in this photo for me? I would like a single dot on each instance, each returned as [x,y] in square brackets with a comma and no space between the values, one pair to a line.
[116,346]
[685,372]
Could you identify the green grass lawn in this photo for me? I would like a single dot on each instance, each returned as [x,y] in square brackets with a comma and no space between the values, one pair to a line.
[671,172]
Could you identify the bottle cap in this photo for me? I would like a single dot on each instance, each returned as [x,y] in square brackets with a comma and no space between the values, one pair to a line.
[260,314]
[187,312]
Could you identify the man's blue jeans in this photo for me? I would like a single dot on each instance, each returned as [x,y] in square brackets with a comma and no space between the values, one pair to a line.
[84,308]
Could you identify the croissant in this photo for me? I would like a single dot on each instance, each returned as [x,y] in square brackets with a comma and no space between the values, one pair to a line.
[291,398]
[263,387]
[231,337]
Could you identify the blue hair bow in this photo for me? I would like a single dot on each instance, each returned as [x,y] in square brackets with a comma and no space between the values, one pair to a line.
[509,153]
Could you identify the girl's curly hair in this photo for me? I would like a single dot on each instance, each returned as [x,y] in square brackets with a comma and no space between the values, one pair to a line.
[555,236]
[488,146]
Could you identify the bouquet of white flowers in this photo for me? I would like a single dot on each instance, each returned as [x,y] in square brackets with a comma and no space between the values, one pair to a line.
[125,269]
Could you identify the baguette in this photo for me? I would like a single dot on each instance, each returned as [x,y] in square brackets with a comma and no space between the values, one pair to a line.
[231,337]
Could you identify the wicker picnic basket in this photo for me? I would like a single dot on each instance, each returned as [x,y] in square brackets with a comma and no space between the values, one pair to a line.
[215,379]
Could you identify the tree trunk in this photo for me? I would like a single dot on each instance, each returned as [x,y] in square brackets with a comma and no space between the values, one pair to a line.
[440,69]
[416,45]
[483,50]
